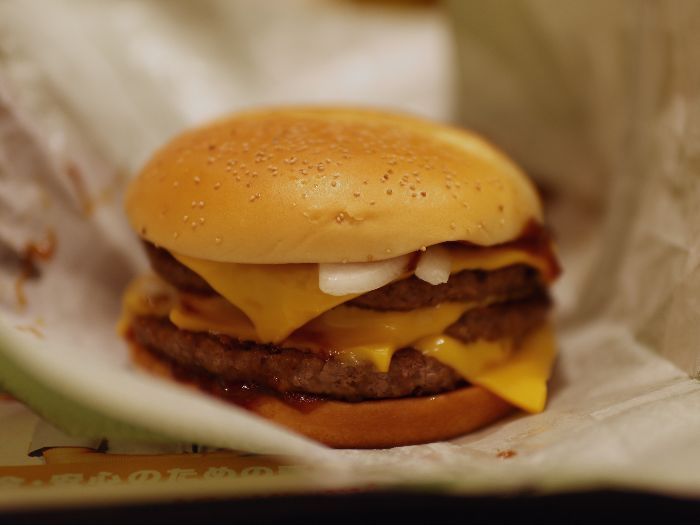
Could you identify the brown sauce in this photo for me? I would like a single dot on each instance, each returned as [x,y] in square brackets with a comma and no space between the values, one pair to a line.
[535,239]
[244,395]
[43,251]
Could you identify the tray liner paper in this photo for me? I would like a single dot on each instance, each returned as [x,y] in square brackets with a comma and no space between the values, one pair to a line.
[599,101]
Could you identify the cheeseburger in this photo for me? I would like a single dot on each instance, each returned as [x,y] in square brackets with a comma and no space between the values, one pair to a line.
[362,278]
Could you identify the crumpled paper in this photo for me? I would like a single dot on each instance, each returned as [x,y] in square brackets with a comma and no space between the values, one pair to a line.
[599,101]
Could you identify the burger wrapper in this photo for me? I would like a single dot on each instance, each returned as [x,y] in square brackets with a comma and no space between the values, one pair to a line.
[599,101]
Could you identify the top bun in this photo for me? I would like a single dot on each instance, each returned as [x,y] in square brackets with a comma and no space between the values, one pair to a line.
[293,185]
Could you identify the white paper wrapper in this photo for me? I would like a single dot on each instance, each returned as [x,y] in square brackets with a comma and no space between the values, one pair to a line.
[599,101]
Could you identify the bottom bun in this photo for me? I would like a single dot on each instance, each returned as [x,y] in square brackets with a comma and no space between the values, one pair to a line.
[390,422]
[370,424]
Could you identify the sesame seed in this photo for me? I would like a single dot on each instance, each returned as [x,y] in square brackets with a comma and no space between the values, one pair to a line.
[217,240]
[201,220]
[355,193]
[217,185]
[423,248]
[196,179]
[185,218]
[389,191]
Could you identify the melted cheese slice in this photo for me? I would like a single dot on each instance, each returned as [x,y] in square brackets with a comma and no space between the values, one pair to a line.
[351,334]
[495,258]
[517,375]
[522,379]
[354,336]
[280,298]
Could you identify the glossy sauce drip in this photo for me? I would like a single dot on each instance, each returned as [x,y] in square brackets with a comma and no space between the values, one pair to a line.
[43,250]
[245,395]
[536,239]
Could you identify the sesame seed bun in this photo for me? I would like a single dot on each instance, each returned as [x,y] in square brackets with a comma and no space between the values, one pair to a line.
[294,185]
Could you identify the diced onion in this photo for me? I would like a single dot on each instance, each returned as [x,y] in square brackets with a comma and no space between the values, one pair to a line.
[434,265]
[351,278]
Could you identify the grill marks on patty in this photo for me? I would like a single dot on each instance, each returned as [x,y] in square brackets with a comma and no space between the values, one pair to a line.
[512,282]
[296,370]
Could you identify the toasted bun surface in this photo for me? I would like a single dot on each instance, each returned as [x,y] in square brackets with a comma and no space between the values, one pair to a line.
[326,185]
[372,424]
[390,422]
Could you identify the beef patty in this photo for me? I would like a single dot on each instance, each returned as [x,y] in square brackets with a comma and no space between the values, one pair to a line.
[296,370]
[512,282]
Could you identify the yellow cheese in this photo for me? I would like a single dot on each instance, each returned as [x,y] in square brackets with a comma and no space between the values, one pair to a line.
[469,359]
[495,258]
[355,335]
[278,298]
[212,314]
[520,378]
[145,295]
[352,334]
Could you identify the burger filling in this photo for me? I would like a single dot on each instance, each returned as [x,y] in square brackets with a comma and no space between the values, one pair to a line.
[406,338]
